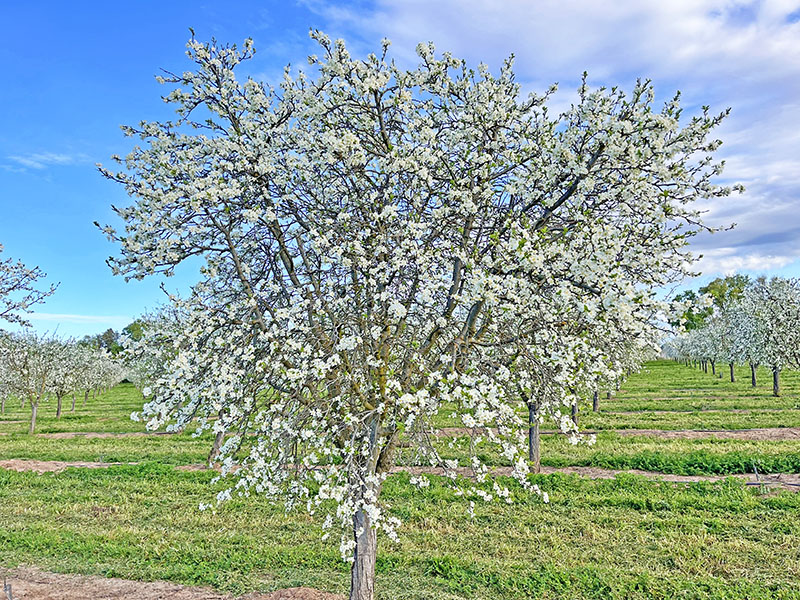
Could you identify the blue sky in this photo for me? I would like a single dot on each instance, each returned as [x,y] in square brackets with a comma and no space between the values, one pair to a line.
[73,72]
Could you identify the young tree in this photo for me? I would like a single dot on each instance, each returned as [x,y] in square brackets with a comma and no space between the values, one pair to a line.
[71,365]
[31,359]
[381,241]
[8,385]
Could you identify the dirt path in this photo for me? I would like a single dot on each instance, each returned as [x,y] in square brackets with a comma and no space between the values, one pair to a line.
[28,583]
[66,435]
[742,411]
[51,466]
[760,434]
[786,480]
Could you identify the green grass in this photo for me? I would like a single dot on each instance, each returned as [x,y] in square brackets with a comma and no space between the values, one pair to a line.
[705,456]
[625,538]
[110,412]
[616,539]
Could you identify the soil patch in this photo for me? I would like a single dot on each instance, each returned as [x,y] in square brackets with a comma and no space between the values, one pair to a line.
[50,466]
[32,584]
[65,435]
[763,434]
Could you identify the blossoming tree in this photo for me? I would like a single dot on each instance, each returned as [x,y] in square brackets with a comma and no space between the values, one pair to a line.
[380,243]
[775,310]
[18,290]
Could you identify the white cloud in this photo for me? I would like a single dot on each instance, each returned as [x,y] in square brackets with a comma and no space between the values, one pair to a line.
[111,321]
[726,261]
[42,160]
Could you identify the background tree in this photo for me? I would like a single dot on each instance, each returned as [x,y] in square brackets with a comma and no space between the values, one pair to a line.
[31,360]
[18,289]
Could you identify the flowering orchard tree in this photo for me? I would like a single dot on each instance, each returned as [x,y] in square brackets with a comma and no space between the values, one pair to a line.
[572,360]
[748,334]
[8,377]
[30,361]
[381,243]
[18,290]
[775,305]
[34,367]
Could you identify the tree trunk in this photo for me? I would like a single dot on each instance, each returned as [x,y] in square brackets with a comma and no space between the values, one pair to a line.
[34,409]
[212,456]
[534,451]
[575,413]
[596,401]
[58,406]
[608,395]
[85,397]
[713,368]
[73,403]
[752,374]
[362,573]
[733,376]
[776,382]
[3,405]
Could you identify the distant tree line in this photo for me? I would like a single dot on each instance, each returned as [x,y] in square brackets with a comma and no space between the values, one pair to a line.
[111,340]
[738,320]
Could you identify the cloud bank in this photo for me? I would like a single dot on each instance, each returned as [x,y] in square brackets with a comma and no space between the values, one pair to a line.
[743,55]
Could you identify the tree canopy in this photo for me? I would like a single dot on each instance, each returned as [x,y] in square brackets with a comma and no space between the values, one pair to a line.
[384,243]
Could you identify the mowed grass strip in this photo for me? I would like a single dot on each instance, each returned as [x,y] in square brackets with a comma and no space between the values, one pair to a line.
[678,457]
[665,384]
[624,538]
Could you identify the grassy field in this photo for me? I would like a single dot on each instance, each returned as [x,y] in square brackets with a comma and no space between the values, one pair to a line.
[628,537]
